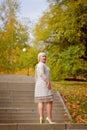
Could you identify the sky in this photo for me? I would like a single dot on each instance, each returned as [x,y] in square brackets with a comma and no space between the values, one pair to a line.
[32,8]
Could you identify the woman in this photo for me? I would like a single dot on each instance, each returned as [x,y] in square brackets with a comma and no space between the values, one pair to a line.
[43,92]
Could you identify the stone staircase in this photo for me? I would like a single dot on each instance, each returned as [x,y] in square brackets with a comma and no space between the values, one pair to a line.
[17,102]
[18,110]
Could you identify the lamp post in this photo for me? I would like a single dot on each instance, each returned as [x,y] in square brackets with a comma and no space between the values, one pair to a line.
[24,50]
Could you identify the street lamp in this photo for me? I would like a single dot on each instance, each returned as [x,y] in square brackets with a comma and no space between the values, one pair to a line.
[24,50]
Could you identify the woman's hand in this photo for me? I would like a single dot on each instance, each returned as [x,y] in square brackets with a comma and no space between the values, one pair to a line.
[48,84]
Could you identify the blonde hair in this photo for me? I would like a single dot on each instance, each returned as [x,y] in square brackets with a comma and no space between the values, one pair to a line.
[41,54]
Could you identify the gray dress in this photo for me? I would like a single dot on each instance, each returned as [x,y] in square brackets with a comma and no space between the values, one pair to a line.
[42,93]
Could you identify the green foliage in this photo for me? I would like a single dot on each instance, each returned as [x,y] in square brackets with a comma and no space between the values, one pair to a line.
[70,60]
[63,30]
[27,58]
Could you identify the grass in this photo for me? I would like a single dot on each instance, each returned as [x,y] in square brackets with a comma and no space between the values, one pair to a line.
[75,96]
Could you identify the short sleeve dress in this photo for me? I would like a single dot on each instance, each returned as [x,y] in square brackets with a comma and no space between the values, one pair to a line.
[42,93]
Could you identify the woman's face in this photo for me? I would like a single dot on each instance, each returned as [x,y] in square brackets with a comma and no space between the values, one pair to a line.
[43,58]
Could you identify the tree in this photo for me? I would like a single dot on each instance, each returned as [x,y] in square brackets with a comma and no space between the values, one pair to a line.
[64,27]
[27,59]
[13,35]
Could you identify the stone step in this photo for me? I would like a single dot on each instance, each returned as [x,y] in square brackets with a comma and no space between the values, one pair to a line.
[20,111]
[14,111]
[23,99]
[26,116]
[31,105]
[10,78]
[29,121]
[31,109]
[17,86]
[33,126]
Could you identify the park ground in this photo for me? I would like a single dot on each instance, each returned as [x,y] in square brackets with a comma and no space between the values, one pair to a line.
[75,97]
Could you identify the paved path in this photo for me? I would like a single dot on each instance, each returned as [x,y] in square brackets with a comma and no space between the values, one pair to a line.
[17,101]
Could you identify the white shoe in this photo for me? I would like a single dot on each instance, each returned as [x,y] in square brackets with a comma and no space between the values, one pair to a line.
[48,121]
[41,120]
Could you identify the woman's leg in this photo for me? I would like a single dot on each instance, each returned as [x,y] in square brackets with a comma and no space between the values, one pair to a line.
[49,110]
[41,109]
